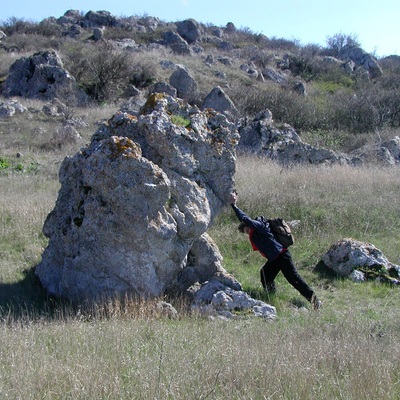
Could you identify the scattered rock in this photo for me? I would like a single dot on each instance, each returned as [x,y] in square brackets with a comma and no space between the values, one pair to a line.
[363,59]
[360,261]
[219,101]
[11,107]
[40,76]
[183,82]
[163,87]
[94,19]
[390,151]
[281,143]
[55,108]
[275,76]
[67,134]
[98,33]
[189,30]
[178,44]
[214,298]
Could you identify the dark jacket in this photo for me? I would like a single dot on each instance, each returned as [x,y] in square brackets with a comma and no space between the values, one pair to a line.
[261,236]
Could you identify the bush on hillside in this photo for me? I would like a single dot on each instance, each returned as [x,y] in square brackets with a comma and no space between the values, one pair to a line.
[337,99]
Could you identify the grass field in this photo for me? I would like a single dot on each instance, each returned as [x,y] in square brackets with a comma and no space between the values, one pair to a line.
[347,350]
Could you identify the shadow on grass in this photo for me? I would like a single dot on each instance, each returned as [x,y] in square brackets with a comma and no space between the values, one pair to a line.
[326,273]
[26,299]
[260,294]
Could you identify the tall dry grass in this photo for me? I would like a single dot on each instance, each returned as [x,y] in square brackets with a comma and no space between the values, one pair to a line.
[348,350]
[307,357]
[329,202]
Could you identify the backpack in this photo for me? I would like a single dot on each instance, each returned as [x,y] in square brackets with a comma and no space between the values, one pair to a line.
[281,230]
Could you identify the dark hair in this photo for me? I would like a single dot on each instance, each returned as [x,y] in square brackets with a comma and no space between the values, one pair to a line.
[241,227]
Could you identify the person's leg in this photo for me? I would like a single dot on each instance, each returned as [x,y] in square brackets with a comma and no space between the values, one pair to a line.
[293,277]
[268,274]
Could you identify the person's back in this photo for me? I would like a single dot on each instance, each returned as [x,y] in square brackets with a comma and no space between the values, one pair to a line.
[279,258]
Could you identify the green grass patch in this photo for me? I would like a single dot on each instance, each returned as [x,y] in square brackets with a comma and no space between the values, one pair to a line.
[180,120]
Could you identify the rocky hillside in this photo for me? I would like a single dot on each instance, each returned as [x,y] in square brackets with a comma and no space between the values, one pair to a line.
[278,92]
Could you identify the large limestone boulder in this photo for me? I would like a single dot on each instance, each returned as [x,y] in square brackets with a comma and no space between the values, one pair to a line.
[41,76]
[133,204]
[360,261]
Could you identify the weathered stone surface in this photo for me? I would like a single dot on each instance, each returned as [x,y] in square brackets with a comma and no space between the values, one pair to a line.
[163,87]
[282,144]
[10,107]
[70,17]
[390,151]
[98,33]
[40,76]
[204,262]
[386,153]
[73,31]
[275,76]
[134,202]
[183,82]
[67,134]
[363,59]
[99,19]
[55,108]
[219,101]
[177,43]
[189,30]
[214,298]
[348,255]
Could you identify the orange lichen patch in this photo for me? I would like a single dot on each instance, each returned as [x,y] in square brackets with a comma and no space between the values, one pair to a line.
[151,102]
[120,118]
[123,146]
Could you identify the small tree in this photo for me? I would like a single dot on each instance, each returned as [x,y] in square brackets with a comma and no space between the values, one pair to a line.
[337,42]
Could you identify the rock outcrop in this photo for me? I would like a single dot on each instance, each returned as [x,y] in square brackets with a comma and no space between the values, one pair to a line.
[363,59]
[360,261]
[134,204]
[214,298]
[261,136]
[10,107]
[41,76]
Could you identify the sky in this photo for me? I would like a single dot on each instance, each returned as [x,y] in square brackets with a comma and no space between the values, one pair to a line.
[374,23]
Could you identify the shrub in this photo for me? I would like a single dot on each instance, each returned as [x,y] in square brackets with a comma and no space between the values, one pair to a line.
[337,42]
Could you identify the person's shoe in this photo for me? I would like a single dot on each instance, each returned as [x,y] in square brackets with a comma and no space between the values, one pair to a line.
[315,302]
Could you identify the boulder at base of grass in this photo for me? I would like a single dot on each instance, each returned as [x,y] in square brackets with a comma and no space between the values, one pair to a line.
[214,298]
[360,261]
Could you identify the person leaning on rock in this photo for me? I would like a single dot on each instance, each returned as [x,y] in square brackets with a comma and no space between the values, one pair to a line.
[279,258]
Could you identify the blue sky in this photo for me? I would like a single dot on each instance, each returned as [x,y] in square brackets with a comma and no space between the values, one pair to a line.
[375,23]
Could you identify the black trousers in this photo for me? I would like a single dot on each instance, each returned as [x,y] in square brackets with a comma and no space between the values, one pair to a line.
[285,264]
